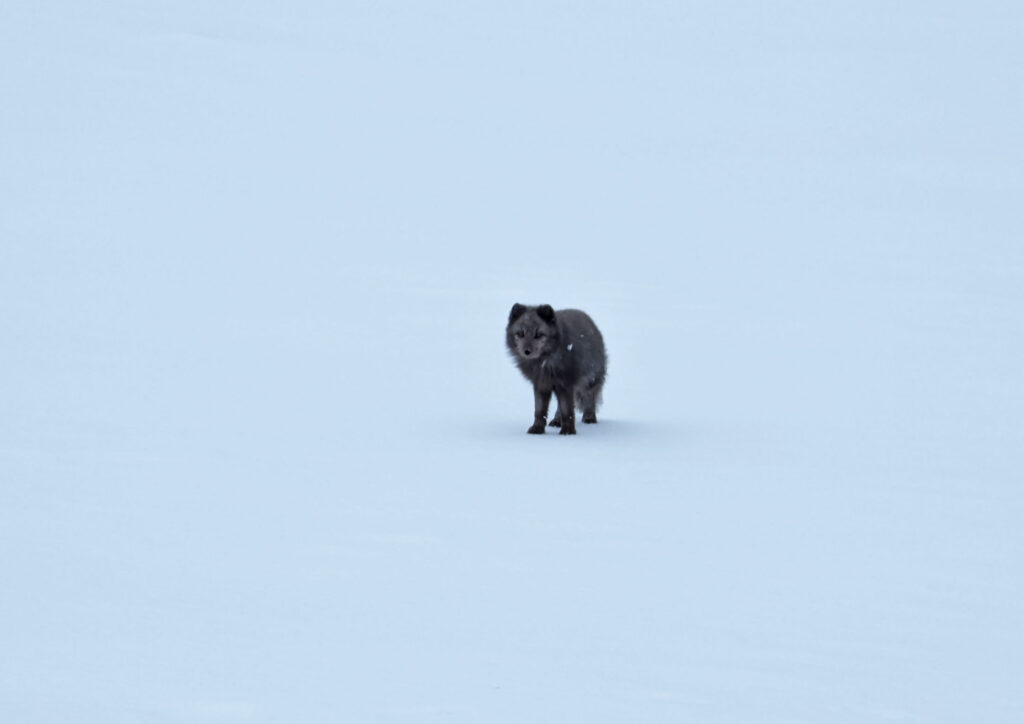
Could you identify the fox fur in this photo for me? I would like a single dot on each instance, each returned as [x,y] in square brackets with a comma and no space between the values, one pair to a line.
[562,353]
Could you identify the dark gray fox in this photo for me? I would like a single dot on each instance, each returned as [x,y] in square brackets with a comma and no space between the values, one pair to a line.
[560,352]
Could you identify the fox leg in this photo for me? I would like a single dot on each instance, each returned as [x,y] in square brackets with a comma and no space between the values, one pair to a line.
[589,397]
[566,411]
[541,400]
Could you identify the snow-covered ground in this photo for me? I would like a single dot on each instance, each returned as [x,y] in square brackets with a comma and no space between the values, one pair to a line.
[263,455]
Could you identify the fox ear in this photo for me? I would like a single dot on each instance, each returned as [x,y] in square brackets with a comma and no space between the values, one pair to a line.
[546,313]
[516,313]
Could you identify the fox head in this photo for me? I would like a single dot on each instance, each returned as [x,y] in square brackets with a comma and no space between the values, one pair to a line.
[531,333]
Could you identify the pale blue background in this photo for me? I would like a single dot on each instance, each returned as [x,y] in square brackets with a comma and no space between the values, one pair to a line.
[262,456]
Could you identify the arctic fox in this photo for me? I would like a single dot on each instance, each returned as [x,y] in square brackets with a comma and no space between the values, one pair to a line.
[560,352]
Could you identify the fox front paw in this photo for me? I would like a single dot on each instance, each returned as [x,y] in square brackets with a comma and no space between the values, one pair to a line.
[537,428]
[567,430]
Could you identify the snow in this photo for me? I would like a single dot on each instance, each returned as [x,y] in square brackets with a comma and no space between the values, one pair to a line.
[263,456]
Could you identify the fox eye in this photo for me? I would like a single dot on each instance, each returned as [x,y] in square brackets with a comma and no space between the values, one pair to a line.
[538,335]
[520,333]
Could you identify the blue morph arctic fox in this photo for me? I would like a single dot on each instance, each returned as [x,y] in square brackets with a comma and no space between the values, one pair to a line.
[560,352]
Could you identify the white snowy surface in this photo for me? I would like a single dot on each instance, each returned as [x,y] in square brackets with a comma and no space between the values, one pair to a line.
[262,453]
